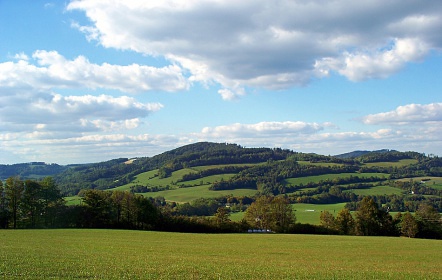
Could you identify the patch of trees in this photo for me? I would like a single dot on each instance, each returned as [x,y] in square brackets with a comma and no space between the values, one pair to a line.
[371,219]
[29,204]
[31,169]
[426,166]
[230,154]
[269,178]
[388,156]
[271,213]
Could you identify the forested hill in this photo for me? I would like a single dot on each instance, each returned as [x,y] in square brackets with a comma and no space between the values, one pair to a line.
[118,172]
[30,170]
[281,164]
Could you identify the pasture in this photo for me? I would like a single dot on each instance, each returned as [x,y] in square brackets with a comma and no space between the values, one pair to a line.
[319,178]
[399,163]
[377,190]
[305,213]
[118,254]
[183,195]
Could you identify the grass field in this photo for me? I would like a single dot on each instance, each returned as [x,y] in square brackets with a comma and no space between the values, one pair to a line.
[431,182]
[399,163]
[183,195]
[117,254]
[305,213]
[377,190]
[309,213]
[318,178]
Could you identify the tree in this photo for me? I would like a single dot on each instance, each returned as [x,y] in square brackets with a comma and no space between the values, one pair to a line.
[257,214]
[32,204]
[98,208]
[274,213]
[281,214]
[222,216]
[409,225]
[344,222]
[370,220]
[429,220]
[4,212]
[13,192]
[52,201]
[327,220]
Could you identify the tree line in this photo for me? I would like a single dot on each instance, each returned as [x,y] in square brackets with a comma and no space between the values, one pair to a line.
[371,220]
[39,204]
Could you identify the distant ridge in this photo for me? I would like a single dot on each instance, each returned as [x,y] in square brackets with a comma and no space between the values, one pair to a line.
[356,154]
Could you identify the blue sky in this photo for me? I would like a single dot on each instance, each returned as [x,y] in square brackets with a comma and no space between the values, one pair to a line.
[88,81]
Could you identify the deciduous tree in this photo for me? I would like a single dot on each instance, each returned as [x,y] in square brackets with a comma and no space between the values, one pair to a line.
[345,223]
[370,220]
[4,212]
[327,220]
[13,191]
[274,213]
[409,226]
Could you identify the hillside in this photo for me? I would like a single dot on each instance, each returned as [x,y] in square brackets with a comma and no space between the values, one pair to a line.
[199,179]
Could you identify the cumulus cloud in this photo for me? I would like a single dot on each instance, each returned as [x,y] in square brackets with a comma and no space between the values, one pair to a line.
[52,70]
[262,129]
[378,64]
[408,114]
[239,44]
[295,135]
[48,114]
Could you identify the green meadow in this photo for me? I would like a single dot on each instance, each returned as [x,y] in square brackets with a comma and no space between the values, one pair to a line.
[183,195]
[305,213]
[377,190]
[119,254]
[318,178]
[399,163]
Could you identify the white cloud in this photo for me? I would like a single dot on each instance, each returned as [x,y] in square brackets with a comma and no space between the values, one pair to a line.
[378,64]
[53,114]
[295,135]
[52,70]
[239,44]
[408,114]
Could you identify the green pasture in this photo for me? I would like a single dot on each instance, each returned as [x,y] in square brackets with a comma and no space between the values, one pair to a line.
[72,200]
[309,213]
[150,179]
[431,182]
[205,167]
[182,195]
[318,178]
[326,164]
[305,213]
[119,254]
[377,190]
[399,163]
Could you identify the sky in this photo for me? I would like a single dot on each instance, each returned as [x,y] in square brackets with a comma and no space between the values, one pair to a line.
[90,81]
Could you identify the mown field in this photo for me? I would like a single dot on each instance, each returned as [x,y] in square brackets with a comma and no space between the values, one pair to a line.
[118,254]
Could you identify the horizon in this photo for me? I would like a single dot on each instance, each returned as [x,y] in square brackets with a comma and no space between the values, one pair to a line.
[84,82]
[135,158]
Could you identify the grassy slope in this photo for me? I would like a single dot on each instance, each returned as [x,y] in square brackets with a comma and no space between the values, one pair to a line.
[377,190]
[188,194]
[399,163]
[115,254]
[318,178]
[183,195]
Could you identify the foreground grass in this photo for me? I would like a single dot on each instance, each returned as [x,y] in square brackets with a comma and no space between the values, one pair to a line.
[115,254]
